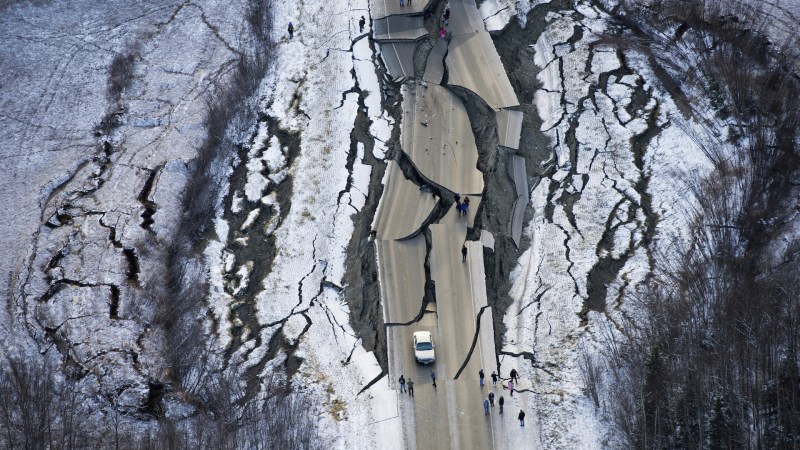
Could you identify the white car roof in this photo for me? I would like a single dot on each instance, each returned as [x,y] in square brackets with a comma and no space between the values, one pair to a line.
[422,335]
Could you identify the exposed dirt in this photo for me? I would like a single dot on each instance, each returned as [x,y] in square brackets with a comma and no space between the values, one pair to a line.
[494,213]
[362,289]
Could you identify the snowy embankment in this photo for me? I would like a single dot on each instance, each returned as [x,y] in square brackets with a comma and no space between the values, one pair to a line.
[610,202]
[314,96]
[99,127]
[102,127]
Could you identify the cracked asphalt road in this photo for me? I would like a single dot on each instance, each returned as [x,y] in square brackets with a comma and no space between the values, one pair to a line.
[424,283]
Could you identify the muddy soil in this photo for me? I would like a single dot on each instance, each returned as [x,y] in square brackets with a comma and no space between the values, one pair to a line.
[361,285]
[494,213]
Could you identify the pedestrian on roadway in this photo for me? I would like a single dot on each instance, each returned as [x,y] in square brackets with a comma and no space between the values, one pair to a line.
[466,205]
[501,402]
[410,387]
[511,388]
[521,417]
[491,399]
[514,375]
[464,258]
[402,384]
[361,22]
[494,378]
[291,30]
[442,32]
[480,374]
[433,378]
[409,3]
[402,4]
[486,407]
[458,198]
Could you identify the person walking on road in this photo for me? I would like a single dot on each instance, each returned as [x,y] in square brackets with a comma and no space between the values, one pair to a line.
[361,22]
[464,255]
[480,374]
[494,378]
[514,375]
[410,387]
[466,205]
[491,399]
[501,402]
[486,407]
[291,30]
[511,388]
[521,417]
[433,378]
[402,381]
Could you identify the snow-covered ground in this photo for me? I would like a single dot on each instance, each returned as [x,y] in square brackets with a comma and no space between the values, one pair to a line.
[613,201]
[78,210]
[80,203]
[313,93]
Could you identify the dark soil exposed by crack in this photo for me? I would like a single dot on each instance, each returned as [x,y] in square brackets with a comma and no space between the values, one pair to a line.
[494,212]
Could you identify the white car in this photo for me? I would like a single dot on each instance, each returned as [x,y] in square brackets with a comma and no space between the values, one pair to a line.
[423,347]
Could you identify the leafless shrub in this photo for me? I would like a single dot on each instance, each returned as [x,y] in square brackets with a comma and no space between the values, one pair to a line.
[35,410]
[591,374]
[231,112]
[716,364]
[277,419]
[120,73]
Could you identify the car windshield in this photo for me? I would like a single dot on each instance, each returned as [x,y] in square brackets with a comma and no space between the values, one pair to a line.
[424,346]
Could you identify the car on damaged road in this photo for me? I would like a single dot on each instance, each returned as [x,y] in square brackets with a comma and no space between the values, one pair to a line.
[423,347]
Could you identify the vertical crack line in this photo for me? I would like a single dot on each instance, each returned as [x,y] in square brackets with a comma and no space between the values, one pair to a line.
[372,382]
[474,341]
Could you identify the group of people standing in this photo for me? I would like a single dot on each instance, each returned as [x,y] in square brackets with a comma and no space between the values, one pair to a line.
[445,21]
[462,207]
[488,402]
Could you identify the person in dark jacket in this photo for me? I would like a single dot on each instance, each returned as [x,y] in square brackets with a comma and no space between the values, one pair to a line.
[514,376]
[410,387]
[464,253]
[521,417]
[501,402]
[291,30]
[361,23]
[491,399]
[402,381]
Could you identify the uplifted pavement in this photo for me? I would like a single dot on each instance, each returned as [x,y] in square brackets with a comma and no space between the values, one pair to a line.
[438,138]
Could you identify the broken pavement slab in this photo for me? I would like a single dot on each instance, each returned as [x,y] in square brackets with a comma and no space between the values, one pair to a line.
[401,269]
[434,67]
[437,137]
[516,171]
[383,8]
[403,208]
[509,128]
[399,58]
[473,63]
[465,19]
[398,28]
[461,299]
